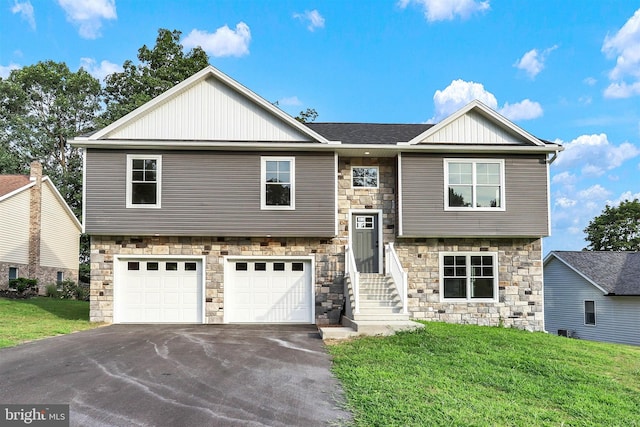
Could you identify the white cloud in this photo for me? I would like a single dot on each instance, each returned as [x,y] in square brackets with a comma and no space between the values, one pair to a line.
[88,15]
[625,47]
[447,10]
[533,61]
[5,70]
[564,178]
[99,71]
[590,81]
[459,93]
[313,17]
[290,101]
[627,195]
[25,10]
[523,110]
[593,193]
[595,154]
[622,90]
[223,42]
[565,202]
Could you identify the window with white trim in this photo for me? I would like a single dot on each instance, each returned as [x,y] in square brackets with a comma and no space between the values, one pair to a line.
[364,176]
[590,313]
[13,273]
[474,184]
[468,276]
[278,183]
[144,176]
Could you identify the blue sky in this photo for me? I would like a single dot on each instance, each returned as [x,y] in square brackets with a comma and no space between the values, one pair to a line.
[564,70]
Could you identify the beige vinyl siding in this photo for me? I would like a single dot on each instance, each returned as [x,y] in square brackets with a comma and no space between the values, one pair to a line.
[617,318]
[423,213]
[14,228]
[59,236]
[222,114]
[210,193]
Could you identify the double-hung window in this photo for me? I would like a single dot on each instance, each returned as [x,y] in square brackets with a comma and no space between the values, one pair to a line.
[474,184]
[144,176]
[469,276]
[590,313]
[364,177]
[278,183]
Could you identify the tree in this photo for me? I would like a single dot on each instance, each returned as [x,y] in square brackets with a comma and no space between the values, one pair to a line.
[616,228]
[159,69]
[308,116]
[41,107]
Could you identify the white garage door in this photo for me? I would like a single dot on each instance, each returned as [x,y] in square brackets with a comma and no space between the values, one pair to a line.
[268,291]
[158,291]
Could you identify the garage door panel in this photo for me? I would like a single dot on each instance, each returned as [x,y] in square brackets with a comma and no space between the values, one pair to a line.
[159,291]
[268,291]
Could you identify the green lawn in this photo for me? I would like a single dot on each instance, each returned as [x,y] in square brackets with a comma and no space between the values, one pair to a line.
[30,319]
[461,375]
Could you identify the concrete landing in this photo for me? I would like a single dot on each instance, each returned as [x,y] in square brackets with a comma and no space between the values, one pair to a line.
[367,328]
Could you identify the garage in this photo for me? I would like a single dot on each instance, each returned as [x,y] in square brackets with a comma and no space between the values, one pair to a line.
[158,290]
[269,290]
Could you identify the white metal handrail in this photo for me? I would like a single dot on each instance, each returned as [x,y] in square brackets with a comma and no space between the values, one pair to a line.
[351,270]
[393,268]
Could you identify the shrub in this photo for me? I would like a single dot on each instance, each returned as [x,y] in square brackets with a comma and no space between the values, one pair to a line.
[24,285]
[84,273]
[52,291]
[72,291]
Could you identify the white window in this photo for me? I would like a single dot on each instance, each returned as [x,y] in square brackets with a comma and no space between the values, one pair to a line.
[364,177]
[590,313]
[144,176]
[59,277]
[474,184]
[13,273]
[468,276]
[277,183]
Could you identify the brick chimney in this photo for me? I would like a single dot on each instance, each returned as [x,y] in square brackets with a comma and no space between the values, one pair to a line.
[35,220]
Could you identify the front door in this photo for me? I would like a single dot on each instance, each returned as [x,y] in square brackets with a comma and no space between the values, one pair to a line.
[365,242]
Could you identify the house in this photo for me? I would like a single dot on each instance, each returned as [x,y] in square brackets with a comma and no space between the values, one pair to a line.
[593,295]
[39,234]
[209,204]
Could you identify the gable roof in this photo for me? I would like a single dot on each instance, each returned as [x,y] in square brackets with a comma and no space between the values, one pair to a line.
[218,97]
[9,186]
[614,273]
[368,133]
[489,127]
[10,183]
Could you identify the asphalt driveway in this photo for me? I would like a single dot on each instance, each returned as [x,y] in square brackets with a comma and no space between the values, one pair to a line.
[174,375]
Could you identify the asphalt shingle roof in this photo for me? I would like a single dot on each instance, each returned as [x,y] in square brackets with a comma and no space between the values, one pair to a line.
[9,183]
[368,133]
[616,272]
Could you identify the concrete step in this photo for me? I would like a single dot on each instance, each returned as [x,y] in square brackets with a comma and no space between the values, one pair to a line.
[380,317]
[377,327]
[379,303]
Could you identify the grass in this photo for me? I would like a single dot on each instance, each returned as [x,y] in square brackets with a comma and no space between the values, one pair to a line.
[461,375]
[35,318]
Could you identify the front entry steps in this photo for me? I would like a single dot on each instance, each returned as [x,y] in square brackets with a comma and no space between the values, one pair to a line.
[380,311]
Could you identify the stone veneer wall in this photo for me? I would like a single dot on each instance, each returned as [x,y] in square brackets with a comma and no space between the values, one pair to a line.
[520,282]
[46,275]
[328,258]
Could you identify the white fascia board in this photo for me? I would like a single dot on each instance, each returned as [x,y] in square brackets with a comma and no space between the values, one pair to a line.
[209,71]
[553,255]
[17,190]
[494,115]
[235,145]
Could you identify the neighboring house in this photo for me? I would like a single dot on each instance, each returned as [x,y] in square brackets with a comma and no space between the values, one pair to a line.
[39,235]
[593,295]
[209,204]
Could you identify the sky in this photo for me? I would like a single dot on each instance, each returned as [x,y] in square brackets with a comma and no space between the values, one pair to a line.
[566,71]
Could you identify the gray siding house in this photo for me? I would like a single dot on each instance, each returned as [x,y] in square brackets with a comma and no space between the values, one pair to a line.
[211,205]
[593,295]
